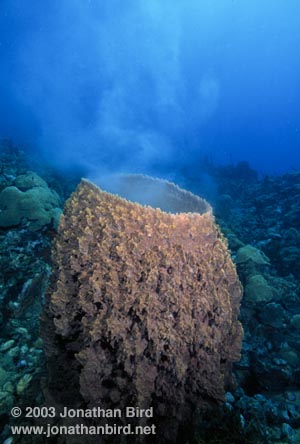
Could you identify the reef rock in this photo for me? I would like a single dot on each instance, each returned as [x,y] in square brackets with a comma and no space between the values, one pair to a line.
[251,261]
[258,290]
[29,180]
[251,254]
[30,201]
[143,308]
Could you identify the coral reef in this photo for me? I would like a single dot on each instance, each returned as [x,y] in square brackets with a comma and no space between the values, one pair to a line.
[142,309]
[249,254]
[257,289]
[29,200]
[24,254]
[261,213]
[264,214]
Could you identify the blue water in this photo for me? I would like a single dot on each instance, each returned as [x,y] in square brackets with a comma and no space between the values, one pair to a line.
[151,85]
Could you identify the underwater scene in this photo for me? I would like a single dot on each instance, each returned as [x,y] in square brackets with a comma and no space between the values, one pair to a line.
[149,222]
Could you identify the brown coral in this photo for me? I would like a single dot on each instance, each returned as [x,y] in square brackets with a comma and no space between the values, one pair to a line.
[143,307]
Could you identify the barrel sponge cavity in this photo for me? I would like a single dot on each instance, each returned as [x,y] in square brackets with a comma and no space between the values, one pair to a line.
[157,193]
[143,307]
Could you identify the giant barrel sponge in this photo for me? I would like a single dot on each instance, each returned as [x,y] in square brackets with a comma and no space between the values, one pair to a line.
[143,305]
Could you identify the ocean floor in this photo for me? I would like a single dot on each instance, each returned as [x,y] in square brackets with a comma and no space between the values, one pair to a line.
[260,217]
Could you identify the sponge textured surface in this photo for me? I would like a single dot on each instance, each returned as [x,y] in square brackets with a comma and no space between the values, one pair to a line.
[143,306]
